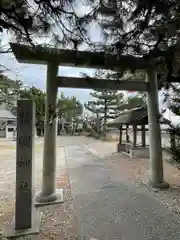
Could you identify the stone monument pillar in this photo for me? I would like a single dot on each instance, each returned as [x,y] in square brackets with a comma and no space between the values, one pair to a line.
[26,217]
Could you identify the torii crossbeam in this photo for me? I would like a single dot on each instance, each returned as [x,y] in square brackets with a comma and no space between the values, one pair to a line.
[91,83]
[67,57]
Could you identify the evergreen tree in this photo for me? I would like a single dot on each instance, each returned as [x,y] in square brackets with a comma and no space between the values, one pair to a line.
[38,96]
[105,106]
[69,109]
[9,90]
[58,21]
[172,101]
[142,29]
[139,100]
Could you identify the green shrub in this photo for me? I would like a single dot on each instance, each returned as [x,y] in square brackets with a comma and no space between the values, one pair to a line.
[174,148]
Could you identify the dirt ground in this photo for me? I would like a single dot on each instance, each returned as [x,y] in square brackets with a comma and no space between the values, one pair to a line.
[137,171]
[57,221]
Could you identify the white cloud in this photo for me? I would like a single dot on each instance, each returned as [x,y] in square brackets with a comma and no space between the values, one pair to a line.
[35,75]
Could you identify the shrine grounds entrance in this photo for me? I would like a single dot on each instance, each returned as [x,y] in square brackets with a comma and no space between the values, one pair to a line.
[53,58]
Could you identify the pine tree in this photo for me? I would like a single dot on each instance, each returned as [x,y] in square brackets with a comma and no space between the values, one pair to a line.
[105,106]
[142,29]
[55,21]
[172,100]
[138,100]
[9,90]
[136,29]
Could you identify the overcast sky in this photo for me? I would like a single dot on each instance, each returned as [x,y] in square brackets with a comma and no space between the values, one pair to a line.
[35,75]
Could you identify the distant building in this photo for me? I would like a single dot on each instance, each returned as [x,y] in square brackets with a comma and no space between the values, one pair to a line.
[7,123]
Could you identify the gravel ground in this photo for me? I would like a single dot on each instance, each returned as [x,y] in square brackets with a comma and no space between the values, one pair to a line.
[137,171]
[57,221]
[109,205]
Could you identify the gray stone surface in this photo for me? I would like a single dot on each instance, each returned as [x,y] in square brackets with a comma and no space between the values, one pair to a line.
[55,198]
[48,192]
[10,231]
[25,166]
[139,152]
[120,147]
[109,206]
[26,220]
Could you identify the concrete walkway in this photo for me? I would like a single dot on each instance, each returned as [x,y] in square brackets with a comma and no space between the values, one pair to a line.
[108,205]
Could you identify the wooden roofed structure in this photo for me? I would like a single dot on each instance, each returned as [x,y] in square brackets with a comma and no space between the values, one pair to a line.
[135,117]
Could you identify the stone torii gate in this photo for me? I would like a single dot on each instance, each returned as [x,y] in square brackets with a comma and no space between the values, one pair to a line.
[53,58]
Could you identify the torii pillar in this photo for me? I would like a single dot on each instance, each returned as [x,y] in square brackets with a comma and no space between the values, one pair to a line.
[49,194]
[156,162]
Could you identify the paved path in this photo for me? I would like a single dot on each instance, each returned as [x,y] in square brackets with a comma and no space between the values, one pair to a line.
[108,205]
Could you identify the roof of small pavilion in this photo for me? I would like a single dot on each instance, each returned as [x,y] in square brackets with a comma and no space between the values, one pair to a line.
[66,57]
[137,116]
[6,114]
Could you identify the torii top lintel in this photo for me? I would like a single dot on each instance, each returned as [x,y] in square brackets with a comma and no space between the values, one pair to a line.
[66,57]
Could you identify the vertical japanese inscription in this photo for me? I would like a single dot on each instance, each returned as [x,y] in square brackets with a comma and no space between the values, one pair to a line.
[24,136]
[24,164]
[24,117]
[24,186]
[24,161]
[24,141]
